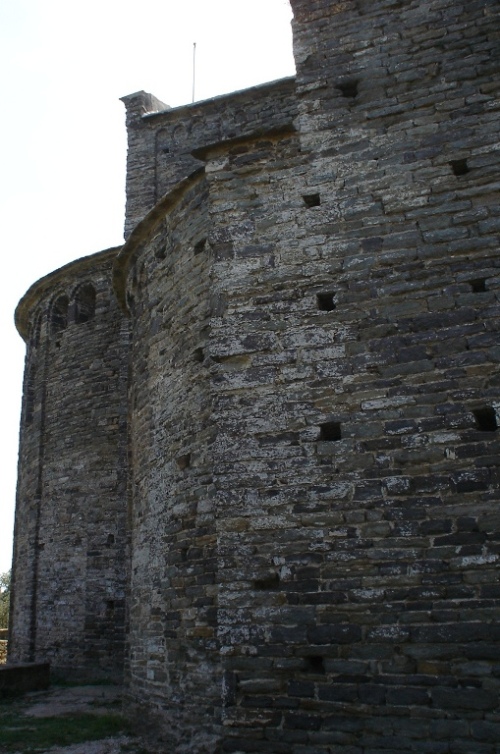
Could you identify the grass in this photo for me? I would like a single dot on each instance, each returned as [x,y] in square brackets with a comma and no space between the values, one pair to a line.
[20,733]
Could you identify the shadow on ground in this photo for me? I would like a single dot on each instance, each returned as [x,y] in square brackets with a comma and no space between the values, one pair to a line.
[68,720]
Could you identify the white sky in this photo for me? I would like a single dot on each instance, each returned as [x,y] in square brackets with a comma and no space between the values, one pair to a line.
[63,67]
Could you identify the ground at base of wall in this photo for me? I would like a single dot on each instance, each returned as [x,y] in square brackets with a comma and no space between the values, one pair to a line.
[68,720]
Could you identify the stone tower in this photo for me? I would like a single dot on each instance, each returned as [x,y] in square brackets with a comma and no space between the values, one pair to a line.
[71,538]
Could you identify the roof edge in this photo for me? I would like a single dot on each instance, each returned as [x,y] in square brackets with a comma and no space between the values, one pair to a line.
[133,246]
[44,284]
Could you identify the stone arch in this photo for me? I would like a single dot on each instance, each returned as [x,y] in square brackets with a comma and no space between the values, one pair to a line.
[59,314]
[36,330]
[84,301]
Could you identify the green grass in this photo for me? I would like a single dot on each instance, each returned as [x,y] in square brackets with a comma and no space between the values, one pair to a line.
[29,734]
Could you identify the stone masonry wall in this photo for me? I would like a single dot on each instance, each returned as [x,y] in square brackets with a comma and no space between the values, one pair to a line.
[161,140]
[312,280]
[356,483]
[370,623]
[352,368]
[68,603]
[173,640]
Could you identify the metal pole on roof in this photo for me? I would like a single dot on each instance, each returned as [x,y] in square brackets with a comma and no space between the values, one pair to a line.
[194,68]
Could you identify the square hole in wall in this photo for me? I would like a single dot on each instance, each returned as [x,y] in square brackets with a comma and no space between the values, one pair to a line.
[486,419]
[199,247]
[267,583]
[349,88]
[478,285]
[311,200]
[459,167]
[198,355]
[330,432]
[326,301]
[315,664]
[184,461]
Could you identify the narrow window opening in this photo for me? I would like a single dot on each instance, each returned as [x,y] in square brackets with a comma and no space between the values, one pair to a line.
[84,304]
[326,302]
[315,664]
[311,200]
[110,540]
[330,432]
[30,395]
[268,583]
[459,167]
[349,88]
[110,608]
[199,247]
[59,315]
[486,419]
[198,355]
[478,286]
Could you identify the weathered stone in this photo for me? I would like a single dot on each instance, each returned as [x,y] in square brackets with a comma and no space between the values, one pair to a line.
[309,398]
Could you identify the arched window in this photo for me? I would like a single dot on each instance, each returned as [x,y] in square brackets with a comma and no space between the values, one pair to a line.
[84,303]
[59,314]
[36,330]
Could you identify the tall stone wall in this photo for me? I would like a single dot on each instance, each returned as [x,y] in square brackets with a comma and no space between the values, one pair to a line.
[351,384]
[71,540]
[312,280]
[174,659]
[399,116]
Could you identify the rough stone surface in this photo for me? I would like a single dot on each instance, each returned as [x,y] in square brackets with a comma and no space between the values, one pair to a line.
[71,538]
[312,280]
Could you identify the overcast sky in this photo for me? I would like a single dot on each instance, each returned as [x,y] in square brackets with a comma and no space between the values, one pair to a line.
[63,68]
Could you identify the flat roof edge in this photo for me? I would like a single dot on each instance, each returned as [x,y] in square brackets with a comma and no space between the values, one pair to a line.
[288,80]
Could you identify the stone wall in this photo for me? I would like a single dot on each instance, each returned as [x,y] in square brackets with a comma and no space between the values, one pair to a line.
[161,141]
[174,650]
[71,538]
[400,119]
[352,391]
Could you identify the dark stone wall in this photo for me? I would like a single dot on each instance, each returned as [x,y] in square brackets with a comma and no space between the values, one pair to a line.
[174,659]
[161,140]
[352,371]
[71,535]
[312,281]
[370,624]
